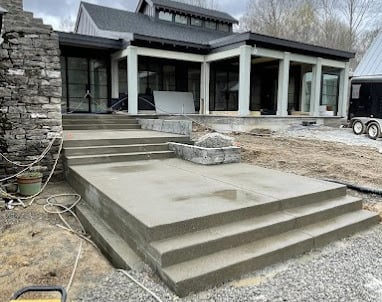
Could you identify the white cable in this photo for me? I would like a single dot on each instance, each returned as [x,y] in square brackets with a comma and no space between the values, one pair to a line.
[35,161]
[140,284]
[75,267]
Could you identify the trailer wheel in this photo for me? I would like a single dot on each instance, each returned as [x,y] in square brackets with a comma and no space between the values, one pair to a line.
[373,130]
[358,127]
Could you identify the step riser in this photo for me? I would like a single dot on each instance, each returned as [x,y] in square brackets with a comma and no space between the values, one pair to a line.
[181,255]
[115,150]
[100,122]
[101,127]
[118,158]
[185,287]
[116,256]
[127,141]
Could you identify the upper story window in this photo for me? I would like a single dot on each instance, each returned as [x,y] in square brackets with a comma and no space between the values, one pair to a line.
[224,27]
[165,16]
[210,24]
[181,19]
[196,21]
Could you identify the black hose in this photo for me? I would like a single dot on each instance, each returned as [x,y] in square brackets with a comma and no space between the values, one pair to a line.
[355,187]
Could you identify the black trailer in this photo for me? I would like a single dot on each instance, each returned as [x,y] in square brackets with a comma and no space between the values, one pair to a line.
[365,106]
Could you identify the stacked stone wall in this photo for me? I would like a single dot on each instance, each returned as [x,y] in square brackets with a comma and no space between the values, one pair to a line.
[30,90]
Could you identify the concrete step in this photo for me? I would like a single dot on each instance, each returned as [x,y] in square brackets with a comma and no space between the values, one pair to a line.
[111,245]
[196,244]
[125,141]
[200,273]
[77,116]
[101,126]
[118,157]
[100,121]
[179,228]
[78,151]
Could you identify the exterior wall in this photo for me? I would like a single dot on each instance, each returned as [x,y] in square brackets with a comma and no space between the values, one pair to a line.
[86,25]
[30,90]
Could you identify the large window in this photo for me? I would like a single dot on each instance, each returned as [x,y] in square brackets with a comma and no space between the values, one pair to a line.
[85,84]
[329,94]
[165,16]
[224,86]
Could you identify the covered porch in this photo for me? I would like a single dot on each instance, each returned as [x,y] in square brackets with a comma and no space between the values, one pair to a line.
[253,75]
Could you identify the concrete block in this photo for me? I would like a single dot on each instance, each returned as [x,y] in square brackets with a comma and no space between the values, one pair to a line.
[206,156]
[168,126]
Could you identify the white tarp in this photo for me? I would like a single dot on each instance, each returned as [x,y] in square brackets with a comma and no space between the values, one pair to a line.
[174,102]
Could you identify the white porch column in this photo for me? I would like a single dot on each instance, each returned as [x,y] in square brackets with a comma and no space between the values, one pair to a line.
[283,85]
[343,95]
[132,79]
[245,79]
[316,88]
[205,88]
[114,79]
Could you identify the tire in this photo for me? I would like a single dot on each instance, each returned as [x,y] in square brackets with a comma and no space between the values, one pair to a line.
[373,130]
[358,127]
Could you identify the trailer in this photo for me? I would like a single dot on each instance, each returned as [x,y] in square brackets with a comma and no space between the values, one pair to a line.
[365,106]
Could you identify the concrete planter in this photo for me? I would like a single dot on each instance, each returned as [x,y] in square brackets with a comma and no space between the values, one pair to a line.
[206,156]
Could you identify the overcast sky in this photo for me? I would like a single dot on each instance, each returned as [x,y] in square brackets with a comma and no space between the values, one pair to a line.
[61,13]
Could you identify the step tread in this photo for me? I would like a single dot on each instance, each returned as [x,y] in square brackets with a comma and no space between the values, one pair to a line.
[247,225]
[114,146]
[124,256]
[211,263]
[118,154]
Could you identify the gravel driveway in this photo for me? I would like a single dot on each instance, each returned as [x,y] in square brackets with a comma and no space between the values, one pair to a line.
[340,135]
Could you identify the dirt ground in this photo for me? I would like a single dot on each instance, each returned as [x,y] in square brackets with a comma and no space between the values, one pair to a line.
[33,250]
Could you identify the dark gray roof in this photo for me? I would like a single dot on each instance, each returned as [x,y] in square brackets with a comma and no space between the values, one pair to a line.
[77,40]
[115,20]
[281,44]
[196,10]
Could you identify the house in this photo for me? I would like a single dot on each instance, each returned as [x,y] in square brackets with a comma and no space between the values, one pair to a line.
[170,46]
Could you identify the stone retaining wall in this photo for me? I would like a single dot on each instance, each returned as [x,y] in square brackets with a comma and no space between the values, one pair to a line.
[30,89]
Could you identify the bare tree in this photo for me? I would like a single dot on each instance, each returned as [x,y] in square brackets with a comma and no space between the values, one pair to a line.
[67,24]
[356,13]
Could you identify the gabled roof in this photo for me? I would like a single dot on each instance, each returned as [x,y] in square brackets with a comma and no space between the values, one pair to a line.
[371,63]
[190,9]
[116,20]
[3,11]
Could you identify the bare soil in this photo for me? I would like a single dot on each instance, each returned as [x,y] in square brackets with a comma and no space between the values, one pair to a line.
[33,250]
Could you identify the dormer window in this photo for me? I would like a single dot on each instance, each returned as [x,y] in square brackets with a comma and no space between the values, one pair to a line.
[196,22]
[165,16]
[210,24]
[224,27]
[181,19]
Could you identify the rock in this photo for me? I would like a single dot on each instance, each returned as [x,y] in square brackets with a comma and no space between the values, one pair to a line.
[214,140]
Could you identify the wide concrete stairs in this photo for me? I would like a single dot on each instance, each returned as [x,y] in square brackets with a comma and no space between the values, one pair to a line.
[106,150]
[198,253]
